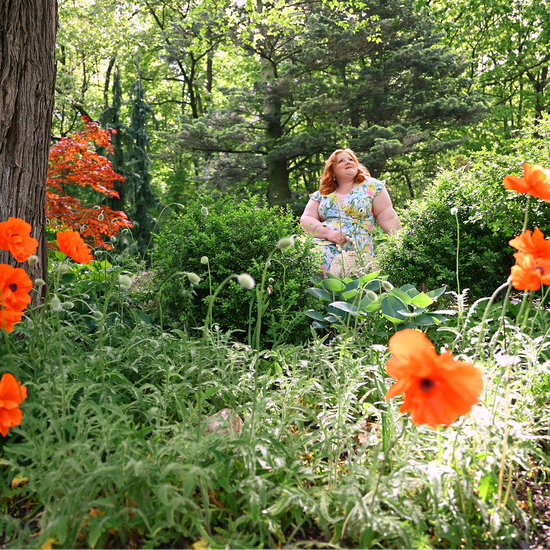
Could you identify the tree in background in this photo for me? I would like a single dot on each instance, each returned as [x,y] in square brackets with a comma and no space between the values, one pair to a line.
[138,163]
[375,78]
[74,162]
[506,44]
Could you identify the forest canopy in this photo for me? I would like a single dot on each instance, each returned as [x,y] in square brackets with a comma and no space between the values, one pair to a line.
[253,96]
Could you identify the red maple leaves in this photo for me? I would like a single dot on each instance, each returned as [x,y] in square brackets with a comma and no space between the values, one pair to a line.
[73,161]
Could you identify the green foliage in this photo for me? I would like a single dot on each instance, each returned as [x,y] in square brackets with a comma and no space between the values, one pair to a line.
[236,238]
[119,457]
[348,301]
[424,252]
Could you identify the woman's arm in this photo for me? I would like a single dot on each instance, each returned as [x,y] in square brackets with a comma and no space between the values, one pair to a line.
[311,222]
[385,214]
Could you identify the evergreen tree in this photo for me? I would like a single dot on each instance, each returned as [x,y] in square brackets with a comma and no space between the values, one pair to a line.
[142,200]
[374,78]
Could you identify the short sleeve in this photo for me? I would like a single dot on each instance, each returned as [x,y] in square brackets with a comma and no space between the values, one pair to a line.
[316,196]
[375,186]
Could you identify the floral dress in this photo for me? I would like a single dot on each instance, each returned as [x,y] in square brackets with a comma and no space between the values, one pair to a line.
[353,215]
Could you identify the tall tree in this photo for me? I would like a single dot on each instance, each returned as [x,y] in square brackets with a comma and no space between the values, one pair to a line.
[374,77]
[27,79]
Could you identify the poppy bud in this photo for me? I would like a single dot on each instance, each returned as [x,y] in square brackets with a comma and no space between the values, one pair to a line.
[124,281]
[39,282]
[204,260]
[68,305]
[204,211]
[285,243]
[97,314]
[33,259]
[371,295]
[96,207]
[387,285]
[100,217]
[56,304]
[63,268]
[194,278]
[246,281]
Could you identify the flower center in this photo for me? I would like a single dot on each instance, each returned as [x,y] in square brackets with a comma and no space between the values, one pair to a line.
[540,268]
[13,287]
[426,384]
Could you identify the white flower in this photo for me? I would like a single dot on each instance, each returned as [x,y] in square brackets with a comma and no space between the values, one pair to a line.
[246,281]
[454,211]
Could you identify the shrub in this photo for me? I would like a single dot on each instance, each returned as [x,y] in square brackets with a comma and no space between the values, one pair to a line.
[236,238]
[489,216]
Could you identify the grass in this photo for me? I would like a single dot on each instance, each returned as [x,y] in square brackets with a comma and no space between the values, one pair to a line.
[113,449]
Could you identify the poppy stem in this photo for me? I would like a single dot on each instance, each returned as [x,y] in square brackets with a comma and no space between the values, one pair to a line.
[526,218]
[459,297]
[544,296]
[486,313]
[505,442]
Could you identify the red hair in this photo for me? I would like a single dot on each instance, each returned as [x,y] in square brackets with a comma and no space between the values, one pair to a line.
[328,182]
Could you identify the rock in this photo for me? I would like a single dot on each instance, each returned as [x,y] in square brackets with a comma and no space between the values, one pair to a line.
[216,421]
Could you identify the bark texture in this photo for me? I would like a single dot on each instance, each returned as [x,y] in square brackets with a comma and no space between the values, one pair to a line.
[27,79]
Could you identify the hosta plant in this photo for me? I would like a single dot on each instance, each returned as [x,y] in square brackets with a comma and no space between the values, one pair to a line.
[344,300]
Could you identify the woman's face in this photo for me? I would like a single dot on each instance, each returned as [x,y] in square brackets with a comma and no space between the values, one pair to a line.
[345,169]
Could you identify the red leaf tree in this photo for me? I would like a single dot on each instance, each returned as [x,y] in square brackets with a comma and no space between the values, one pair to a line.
[74,161]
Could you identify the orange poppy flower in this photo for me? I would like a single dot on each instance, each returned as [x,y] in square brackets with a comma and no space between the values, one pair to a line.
[530,272]
[437,388]
[8,318]
[15,237]
[15,286]
[72,244]
[12,394]
[535,182]
[535,244]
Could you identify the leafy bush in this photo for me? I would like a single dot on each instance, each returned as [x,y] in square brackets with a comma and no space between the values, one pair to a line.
[489,216]
[236,238]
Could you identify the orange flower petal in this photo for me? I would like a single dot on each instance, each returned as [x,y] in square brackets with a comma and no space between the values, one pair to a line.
[15,237]
[516,184]
[437,389]
[15,286]
[72,244]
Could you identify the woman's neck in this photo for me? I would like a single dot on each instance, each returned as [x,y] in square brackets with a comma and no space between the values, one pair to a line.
[344,188]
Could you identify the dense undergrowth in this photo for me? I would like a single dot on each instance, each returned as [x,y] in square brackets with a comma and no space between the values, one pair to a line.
[113,450]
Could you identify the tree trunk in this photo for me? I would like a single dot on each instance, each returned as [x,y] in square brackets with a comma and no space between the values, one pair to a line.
[27,79]
[278,189]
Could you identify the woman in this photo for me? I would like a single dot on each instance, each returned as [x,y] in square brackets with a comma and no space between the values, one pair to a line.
[342,213]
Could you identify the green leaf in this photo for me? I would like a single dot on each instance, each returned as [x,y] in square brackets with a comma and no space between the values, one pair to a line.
[433,294]
[319,293]
[375,284]
[368,277]
[368,307]
[402,295]
[430,319]
[422,300]
[391,305]
[487,486]
[410,290]
[349,294]
[415,313]
[334,285]
[344,306]
[318,325]
[352,285]
[312,314]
